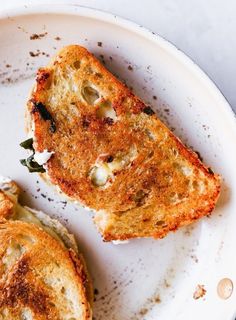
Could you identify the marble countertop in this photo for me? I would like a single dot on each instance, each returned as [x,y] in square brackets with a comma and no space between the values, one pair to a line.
[204,30]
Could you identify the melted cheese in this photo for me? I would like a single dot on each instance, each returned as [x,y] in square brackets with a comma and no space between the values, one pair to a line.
[53,227]
[103,171]
[117,242]
[42,157]
[25,215]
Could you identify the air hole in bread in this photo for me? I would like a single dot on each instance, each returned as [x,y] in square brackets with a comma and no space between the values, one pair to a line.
[50,281]
[139,197]
[174,198]
[175,152]
[198,186]
[76,64]
[26,314]
[195,185]
[27,238]
[186,171]
[63,290]
[160,223]
[151,154]
[168,177]
[51,304]
[105,110]
[89,70]
[99,75]
[73,171]
[73,110]
[13,253]
[90,94]
[4,313]
[69,296]
[150,134]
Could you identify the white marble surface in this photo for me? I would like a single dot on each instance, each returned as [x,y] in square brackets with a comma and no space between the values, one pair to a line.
[203,29]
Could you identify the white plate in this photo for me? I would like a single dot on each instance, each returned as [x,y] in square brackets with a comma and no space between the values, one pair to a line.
[145,279]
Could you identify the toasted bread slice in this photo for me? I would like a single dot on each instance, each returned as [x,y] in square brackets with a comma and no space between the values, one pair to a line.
[41,275]
[112,153]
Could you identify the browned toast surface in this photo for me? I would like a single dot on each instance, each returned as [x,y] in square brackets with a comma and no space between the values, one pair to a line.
[112,153]
[40,278]
[35,271]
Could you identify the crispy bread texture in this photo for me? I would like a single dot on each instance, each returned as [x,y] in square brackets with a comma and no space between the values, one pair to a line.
[40,278]
[9,192]
[113,154]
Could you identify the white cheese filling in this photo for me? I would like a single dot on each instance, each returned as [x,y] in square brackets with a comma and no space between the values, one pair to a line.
[42,157]
[51,226]
[4,180]
[116,242]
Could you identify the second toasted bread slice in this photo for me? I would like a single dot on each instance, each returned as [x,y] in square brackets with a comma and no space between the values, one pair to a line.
[110,151]
[43,275]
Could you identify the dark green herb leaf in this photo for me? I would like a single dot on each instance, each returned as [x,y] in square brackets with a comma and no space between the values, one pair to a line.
[38,169]
[27,144]
[23,162]
[32,165]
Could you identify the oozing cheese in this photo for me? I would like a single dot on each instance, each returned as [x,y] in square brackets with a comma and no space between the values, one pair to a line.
[24,214]
[51,226]
[117,242]
[42,157]
[4,181]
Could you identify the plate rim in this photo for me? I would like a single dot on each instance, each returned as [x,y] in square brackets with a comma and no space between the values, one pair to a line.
[169,47]
[158,40]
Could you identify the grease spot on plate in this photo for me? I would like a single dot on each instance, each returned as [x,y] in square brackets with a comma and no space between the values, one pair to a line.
[225,288]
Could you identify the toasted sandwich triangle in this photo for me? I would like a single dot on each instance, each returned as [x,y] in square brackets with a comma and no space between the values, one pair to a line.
[112,153]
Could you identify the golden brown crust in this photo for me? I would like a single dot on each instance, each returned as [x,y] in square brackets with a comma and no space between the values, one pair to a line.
[9,192]
[38,274]
[19,291]
[157,178]
[39,277]
[6,206]
[82,271]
